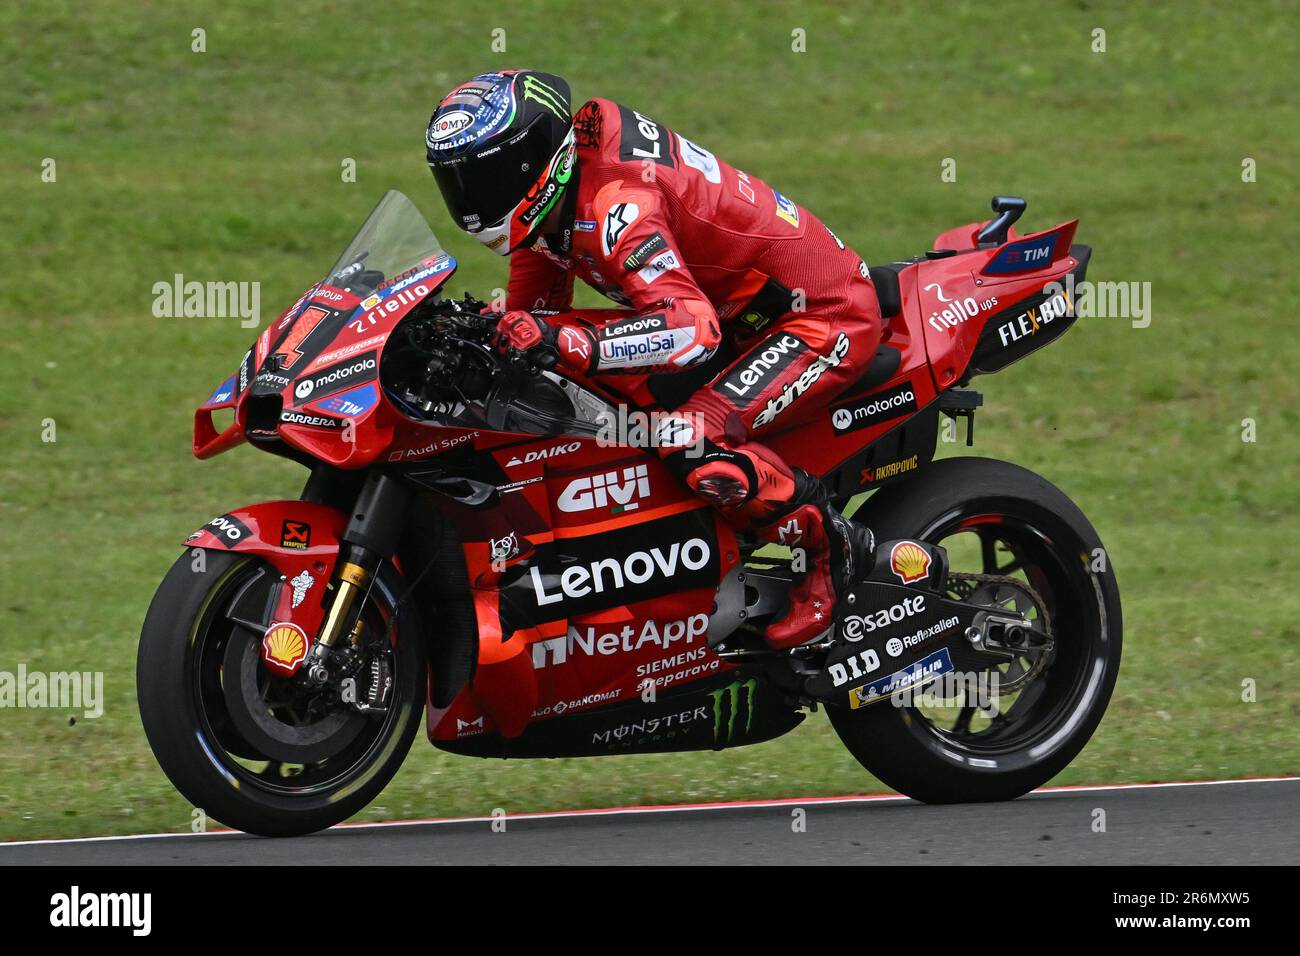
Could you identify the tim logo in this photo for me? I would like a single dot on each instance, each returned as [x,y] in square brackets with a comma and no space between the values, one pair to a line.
[1022,256]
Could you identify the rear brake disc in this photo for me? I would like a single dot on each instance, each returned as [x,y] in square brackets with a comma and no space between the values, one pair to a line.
[1007,603]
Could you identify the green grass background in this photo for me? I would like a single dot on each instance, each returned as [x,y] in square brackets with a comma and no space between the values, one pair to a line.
[225,165]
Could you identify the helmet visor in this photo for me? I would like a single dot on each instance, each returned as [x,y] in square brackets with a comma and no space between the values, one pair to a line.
[480,190]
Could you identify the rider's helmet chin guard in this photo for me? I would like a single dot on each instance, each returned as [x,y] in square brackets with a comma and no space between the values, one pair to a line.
[519,226]
[501,147]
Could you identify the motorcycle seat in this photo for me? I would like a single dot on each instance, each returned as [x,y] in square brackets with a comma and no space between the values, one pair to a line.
[885,279]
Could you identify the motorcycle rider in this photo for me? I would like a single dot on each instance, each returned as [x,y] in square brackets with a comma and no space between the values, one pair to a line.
[700,252]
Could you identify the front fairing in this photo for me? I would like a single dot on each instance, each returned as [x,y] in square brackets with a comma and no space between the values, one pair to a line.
[311,379]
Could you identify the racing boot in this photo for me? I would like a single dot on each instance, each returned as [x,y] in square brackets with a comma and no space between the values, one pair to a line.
[836,555]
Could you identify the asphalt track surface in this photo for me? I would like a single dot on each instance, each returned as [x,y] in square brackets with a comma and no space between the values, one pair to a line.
[1238,822]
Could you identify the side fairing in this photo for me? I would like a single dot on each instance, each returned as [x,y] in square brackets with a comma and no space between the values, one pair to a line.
[971,307]
[834,437]
[593,579]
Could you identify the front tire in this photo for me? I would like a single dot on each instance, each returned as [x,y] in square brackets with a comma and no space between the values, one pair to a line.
[236,742]
[1002,511]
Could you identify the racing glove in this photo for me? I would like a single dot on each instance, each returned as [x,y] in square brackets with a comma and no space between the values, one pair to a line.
[526,336]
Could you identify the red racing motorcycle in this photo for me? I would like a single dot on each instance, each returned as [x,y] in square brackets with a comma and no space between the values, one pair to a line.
[495,546]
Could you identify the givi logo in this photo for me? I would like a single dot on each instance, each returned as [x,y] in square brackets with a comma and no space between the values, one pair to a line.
[599,491]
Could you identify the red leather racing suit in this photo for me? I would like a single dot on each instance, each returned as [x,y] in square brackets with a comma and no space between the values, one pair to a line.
[699,251]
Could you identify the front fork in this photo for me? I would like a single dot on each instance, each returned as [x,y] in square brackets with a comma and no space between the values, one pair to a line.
[374,529]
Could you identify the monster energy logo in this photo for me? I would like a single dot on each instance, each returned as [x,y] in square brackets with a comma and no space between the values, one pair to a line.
[566,164]
[535,89]
[733,694]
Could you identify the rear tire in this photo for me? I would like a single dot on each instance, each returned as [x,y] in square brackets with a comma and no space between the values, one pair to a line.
[205,754]
[1056,547]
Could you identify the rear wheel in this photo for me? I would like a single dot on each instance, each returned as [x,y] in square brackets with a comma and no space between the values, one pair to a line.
[1023,546]
[258,752]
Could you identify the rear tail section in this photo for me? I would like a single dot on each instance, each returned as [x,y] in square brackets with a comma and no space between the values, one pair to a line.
[1038,318]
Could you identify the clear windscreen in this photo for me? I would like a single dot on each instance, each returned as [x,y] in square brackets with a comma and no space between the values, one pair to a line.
[394,239]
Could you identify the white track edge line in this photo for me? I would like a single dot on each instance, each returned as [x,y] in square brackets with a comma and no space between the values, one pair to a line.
[628,811]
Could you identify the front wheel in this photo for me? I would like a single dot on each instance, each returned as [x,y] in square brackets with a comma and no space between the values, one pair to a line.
[257,752]
[1011,527]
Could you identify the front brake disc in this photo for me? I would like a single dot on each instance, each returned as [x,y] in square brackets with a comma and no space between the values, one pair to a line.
[264,709]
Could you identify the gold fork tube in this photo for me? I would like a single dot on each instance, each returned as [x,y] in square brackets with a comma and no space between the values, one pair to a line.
[352,582]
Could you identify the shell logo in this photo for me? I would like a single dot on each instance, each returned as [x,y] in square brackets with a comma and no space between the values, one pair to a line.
[284,646]
[909,561]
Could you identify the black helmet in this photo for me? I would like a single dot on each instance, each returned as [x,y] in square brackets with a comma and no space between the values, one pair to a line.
[501,147]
